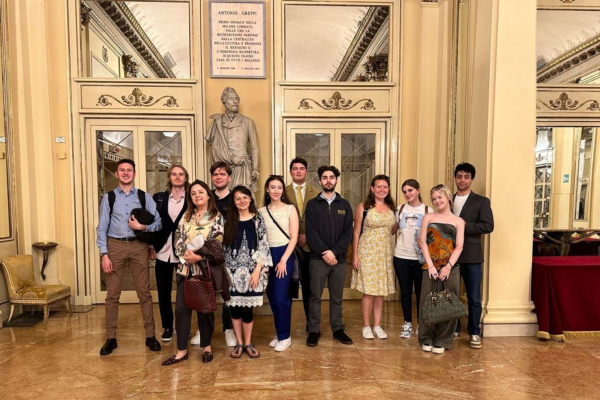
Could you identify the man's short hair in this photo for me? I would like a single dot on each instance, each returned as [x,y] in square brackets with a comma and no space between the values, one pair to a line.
[465,167]
[219,165]
[126,161]
[299,160]
[325,168]
[226,91]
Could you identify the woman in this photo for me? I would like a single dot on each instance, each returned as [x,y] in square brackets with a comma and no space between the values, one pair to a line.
[281,220]
[441,244]
[201,218]
[372,251]
[247,260]
[406,260]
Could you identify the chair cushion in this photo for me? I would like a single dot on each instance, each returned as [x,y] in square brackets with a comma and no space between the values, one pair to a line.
[19,273]
[42,292]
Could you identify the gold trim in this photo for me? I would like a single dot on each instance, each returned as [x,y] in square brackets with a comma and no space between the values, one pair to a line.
[336,102]
[136,99]
[581,334]
[564,103]
[548,336]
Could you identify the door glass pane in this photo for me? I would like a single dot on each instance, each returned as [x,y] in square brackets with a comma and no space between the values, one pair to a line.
[112,146]
[358,166]
[163,149]
[315,149]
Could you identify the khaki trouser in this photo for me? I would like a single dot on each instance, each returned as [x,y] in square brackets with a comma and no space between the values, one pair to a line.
[440,335]
[136,255]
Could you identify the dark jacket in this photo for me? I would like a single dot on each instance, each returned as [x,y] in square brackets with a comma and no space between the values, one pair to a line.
[168,225]
[479,219]
[329,227]
[213,252]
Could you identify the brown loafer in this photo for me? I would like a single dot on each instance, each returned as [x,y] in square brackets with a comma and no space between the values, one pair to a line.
[172,360]
[237,352]
[251,351]
[207,357]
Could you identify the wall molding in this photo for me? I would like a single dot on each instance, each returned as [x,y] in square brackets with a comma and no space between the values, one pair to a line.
[568,101]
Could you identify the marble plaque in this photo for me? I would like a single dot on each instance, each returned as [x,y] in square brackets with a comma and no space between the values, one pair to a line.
[237,39]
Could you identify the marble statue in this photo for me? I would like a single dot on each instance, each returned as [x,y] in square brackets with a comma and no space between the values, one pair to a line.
[232,137]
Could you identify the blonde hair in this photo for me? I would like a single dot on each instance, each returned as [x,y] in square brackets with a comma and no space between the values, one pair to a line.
[442,189]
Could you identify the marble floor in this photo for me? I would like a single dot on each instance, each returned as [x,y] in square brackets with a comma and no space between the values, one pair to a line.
[61,361]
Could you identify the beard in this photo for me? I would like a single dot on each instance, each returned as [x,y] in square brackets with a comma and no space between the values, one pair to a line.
[328,188]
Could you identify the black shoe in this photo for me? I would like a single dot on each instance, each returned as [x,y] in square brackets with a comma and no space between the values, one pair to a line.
[108,347]
[167,335]
[313,339]
[341,337]
[152,343]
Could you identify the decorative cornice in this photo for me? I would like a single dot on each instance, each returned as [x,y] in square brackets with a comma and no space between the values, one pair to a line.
[125,21]
[136,99]
[371,23]
[85,14]
[564,103]
[130,67]
[336,102]
[576,56]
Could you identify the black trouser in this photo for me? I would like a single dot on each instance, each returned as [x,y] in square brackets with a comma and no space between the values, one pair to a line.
[226,317]
[206,322]
[243,313]
[409,272]
[164,285]
[304,271]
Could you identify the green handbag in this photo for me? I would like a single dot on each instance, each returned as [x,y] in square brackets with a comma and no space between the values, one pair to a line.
[441,306]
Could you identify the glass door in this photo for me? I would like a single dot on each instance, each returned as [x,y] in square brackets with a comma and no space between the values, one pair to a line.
[356,149]
[154,146]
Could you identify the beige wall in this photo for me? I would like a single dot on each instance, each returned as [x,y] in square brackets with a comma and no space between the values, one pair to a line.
[562,193]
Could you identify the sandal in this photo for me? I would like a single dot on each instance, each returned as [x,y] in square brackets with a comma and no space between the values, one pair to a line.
[235,353]
[172,360]
[207,357]
[251,351]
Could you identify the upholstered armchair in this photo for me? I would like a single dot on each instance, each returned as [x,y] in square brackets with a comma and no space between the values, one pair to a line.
[23,289]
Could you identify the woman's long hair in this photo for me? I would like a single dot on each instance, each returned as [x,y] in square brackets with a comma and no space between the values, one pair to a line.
[284,198]
[413,184]
[370,200]
[191,207]
[233,215]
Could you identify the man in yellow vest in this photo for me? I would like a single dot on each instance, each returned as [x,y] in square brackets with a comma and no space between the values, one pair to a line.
[300,192]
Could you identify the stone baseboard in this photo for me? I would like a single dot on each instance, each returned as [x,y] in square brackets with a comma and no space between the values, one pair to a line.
[504,330]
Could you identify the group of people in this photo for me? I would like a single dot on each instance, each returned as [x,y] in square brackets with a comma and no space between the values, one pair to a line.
[299,233]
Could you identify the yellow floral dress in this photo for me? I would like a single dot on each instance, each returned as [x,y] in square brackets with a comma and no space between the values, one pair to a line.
[375,251]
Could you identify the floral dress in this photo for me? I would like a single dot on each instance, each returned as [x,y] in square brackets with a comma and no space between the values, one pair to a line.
[375,250]
[209,228]
[249,248]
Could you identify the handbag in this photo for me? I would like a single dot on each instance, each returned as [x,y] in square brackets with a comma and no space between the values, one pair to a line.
[294,289]
[199,294]
[441,307]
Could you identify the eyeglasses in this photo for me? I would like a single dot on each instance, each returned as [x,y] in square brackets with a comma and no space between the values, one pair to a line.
[440,186]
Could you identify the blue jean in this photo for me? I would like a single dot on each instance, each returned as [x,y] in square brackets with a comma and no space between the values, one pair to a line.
[471,274]
[278,293]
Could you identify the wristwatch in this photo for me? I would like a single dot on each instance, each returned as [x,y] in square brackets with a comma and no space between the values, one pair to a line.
[103,254]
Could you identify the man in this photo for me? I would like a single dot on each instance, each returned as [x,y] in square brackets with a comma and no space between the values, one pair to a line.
[477,213]
[329,222]
[119,248]
[171,206]
[300,192]
[233,141]
[220,175]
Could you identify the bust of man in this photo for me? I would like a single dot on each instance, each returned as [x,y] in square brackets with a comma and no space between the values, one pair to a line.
[232,137]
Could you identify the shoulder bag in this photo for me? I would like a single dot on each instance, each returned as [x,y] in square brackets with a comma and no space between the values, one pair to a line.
[294,290]
[199,294]
[441,306]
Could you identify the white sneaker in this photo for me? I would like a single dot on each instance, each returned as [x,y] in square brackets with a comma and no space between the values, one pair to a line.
[380,332]
[368,333]
[438,350]
[426,347]
[283,344]
[230,339]
[406,330]
[196,339]
[273,342]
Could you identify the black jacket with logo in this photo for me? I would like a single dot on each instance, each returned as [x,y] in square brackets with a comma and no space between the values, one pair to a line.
[329,227]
